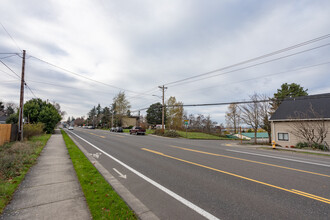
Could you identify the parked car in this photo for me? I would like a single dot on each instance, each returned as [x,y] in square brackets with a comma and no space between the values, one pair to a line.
[113,129]
[137,130]
[119,129]
[70,128]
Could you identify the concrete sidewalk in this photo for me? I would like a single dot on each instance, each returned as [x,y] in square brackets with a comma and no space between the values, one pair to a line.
[51,189]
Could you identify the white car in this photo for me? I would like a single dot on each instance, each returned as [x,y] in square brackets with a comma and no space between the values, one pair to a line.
[70,128]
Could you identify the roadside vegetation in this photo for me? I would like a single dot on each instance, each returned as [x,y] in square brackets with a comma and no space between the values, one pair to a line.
[301,152]
[102,200]
[15,160]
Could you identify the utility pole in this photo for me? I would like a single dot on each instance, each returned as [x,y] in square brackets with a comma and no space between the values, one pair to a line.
[112,119]
[21,102]
[139,119]
[163,107]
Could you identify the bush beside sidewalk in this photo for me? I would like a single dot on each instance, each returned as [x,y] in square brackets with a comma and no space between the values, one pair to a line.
[15,160]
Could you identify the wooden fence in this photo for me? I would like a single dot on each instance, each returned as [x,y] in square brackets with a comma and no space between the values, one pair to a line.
[5,133]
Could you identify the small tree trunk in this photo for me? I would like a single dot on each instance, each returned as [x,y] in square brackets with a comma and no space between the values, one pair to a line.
[255,136]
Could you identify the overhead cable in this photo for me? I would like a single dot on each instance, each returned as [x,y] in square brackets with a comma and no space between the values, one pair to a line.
[254,59]
[85,77]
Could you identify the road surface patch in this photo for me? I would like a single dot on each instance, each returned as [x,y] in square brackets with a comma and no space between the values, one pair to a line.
[307,195]
[281,158]
[251,161]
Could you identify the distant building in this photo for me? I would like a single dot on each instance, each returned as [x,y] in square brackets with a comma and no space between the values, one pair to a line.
[309,110]
[3,119]
[130,121]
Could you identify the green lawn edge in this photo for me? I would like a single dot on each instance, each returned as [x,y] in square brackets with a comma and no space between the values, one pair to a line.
[102,200]
[8,188]
[295,151]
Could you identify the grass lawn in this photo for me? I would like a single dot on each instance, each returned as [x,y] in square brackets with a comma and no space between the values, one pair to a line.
[15,160]
[200,135]
[302,152]
[102,200]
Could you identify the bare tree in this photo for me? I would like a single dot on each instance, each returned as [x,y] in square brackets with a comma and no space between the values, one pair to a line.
[265,109]
[313,131]
[251,113]
[233,117]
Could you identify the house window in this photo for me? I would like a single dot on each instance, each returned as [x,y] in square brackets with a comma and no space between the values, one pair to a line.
[283,136]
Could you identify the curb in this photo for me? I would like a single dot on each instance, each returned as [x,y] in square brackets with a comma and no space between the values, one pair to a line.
[134,203]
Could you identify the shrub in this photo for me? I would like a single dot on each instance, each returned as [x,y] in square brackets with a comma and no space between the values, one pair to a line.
[31,130]
[158,132]
[301,145]
[314,146]
[13,157]
[171,133]
[320,147]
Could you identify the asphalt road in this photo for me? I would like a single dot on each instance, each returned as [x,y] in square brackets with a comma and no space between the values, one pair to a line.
[198,179]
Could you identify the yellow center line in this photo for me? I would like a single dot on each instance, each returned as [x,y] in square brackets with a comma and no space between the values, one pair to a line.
[97,135]
[251,161]
[307,195]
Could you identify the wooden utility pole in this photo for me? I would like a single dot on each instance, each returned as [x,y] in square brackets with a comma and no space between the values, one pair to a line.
[21,102]
[163,106]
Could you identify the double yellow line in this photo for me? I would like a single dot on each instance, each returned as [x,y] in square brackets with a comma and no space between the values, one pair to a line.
[318,198]
[251,161]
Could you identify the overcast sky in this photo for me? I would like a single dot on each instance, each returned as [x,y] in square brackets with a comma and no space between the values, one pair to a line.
[136,46]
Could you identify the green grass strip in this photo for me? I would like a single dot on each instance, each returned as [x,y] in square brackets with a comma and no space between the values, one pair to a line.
[102,200]
[295,151]
[16,158]
[200,135]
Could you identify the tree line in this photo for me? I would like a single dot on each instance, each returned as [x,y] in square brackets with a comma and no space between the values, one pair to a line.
[257,113]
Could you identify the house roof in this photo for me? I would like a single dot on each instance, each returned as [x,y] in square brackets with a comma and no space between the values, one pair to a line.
[303,107]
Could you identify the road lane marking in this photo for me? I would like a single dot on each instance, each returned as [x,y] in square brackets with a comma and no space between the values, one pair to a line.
[162,188]
[307,195]
[120,174]
[251,161]
[281,158]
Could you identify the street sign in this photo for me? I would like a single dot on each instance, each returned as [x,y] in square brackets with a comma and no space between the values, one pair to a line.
[186,122]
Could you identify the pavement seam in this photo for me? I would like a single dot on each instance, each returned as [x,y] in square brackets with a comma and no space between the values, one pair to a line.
[15,210]
[134,203]
[48,184]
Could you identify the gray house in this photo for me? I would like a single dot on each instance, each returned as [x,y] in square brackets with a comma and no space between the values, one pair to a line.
[301,117]
[3,119]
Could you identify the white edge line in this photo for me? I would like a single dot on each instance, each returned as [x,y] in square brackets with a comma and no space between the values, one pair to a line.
[282,158]
[169,192]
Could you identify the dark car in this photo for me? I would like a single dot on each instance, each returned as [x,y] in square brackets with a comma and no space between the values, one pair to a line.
[137,130]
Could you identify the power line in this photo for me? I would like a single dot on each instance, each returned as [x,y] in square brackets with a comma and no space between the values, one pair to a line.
[8,56]
[70,87]
[11,37]
[254,59]
[30,90]
[272,74]
[257,64]
[9,74]
[10,69]
[325,96]
[77,74]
